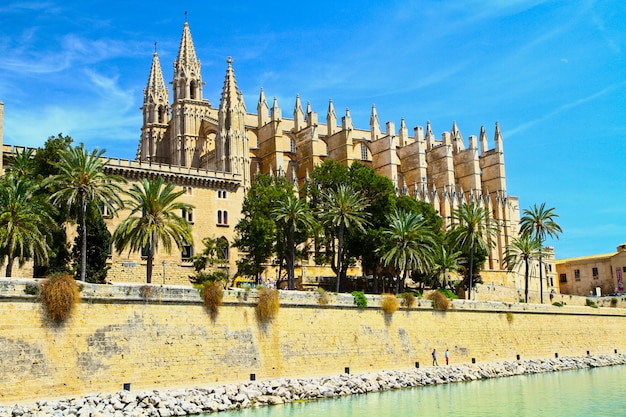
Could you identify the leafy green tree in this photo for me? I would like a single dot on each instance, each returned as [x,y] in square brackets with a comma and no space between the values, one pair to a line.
[98,246]
[82,179]
[296,216]
[258,236]
[380,195]
[212,254]
[472,231]
[408,244]
[45,163]
[342,210]
[24,222]
[540,223]
[523,249]
[153,219]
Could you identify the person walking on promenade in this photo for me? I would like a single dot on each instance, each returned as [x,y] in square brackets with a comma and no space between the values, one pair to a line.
[446,355]
[435,357]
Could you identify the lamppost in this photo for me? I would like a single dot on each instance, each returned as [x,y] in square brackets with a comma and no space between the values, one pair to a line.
[163,263]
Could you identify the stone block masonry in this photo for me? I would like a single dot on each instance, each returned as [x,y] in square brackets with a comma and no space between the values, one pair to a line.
[122,335]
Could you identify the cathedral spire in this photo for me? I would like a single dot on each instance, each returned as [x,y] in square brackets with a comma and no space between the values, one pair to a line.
[156,112]
[374,124]
[331,119]
[262,109]
[187,78]
[156,91]
[230,92]
[298,114]
[498,139]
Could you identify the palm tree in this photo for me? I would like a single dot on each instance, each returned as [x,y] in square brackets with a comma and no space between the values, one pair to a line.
[539,223]
[341,210]
[472,229]
[21,165]
[82,180]
[445,262]
[295,214]
[153,219]
[408,244]
[522,249]
[25,221]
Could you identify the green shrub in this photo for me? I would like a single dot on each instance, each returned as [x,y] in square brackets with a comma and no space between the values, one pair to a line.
[31,289]
[591,303]
[440,301]
[408,300]
[360,300]
[558,304]
[390,303]
[614,302]
[201,277]
[268,304]
[59,295]
[212,295]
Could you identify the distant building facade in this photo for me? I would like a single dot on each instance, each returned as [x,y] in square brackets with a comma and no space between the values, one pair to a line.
[214,152]
[585,274]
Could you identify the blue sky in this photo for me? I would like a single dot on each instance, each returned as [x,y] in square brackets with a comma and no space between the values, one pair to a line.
[550,72]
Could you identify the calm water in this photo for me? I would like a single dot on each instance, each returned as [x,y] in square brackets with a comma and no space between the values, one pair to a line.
[595,392]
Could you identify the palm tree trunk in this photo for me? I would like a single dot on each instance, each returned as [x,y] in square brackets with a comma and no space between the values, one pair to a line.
[526,282]
[149,265]
[540,279]
[339,256]
[471,271]
[83,239]
[291,282]
[9,269]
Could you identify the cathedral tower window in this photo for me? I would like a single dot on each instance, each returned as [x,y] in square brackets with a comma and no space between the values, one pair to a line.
[292,144]
[192,89]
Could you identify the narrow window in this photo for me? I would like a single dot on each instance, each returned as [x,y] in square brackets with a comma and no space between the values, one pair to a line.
[293,146]
[187,252]
[577,274]
[223,249]
[562,277]
[363,152]
[219,217]
[225,217]
[594,272]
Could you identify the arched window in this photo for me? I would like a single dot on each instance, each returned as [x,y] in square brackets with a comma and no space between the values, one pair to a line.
[223,246]
[192,89]
[162,114]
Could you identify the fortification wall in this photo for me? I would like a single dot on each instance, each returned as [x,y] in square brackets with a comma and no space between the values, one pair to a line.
[121,334]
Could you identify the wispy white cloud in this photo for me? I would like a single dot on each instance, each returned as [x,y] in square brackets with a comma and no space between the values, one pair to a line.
[563,108]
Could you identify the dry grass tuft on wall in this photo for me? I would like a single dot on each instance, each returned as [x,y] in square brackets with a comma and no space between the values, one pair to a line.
[268,305]
[212,296]
[59,294]
[440,301]
[390,303]
[323,298]
[409,300]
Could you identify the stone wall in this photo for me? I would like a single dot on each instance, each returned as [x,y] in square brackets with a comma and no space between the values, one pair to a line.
[121,334]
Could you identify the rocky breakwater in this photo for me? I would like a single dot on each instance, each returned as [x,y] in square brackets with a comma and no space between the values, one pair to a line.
[182,402]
